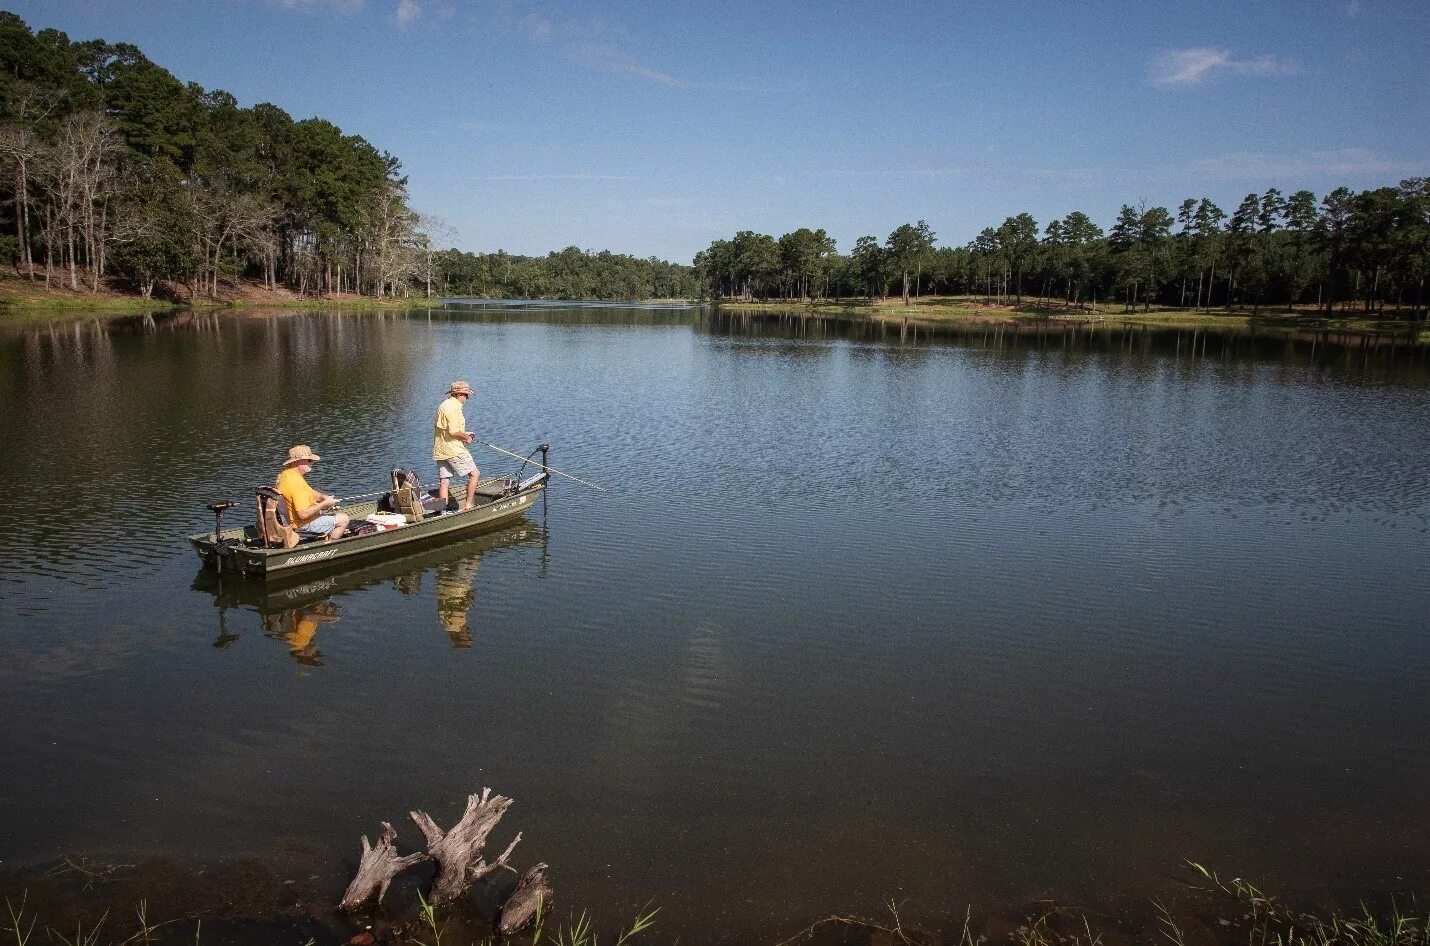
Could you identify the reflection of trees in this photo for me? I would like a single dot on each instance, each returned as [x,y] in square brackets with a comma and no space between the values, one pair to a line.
[214,400]
[455,594]
[298,627]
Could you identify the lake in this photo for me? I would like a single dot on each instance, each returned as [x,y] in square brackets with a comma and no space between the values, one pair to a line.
[865,614]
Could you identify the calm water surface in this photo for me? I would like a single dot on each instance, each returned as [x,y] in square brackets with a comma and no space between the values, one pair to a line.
[862,617]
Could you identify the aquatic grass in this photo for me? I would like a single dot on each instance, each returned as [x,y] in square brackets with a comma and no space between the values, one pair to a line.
[1272,923]
[539,923]
[896,932]
[17,926]
[428,912]
[642,922]
[81,936]
[146,929]
[1041,933]
[582,932]
[1167,925]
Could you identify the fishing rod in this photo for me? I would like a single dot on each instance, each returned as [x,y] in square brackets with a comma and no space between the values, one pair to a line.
[345,499]
[549,469]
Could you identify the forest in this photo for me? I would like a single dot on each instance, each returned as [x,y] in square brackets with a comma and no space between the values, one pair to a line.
[571,273]
[113,169]
[1366,251]
[115,173]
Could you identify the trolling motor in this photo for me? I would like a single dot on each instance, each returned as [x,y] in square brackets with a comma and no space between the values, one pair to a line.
[218,509]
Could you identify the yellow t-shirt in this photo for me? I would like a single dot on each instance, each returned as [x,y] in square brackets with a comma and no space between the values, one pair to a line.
[449,426]
[298,493]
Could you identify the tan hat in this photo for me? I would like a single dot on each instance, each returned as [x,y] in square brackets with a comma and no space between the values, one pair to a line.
[460,387]
[301,454]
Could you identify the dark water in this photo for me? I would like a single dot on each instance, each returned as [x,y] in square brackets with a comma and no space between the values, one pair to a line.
[974,619]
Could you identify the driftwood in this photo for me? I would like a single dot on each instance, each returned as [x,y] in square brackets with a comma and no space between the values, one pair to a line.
[458,852]
[532,893]
[379,864]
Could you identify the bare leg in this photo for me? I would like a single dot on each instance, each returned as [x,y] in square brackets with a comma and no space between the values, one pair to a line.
[472,488]
[442,489]
[341,527]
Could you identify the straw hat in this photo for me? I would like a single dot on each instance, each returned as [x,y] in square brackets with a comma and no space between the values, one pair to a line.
[301,454]
[460,387]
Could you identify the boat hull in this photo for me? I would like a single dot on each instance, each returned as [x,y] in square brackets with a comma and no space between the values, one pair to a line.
[229,554]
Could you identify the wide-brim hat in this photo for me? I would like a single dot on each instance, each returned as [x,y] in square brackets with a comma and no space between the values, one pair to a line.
[459,387]
[301,454]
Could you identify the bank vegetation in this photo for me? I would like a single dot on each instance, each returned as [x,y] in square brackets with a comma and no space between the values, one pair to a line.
[118,178]
[1365,251]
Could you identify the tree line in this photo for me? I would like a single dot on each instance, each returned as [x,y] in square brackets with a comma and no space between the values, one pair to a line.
[571,273]
[112,167]
[114,171]
[1366,250]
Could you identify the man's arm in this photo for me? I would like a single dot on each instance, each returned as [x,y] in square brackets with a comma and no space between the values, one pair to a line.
[320,502]
[324,502]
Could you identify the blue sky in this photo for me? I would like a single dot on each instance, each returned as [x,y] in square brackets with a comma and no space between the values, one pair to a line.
[655,127]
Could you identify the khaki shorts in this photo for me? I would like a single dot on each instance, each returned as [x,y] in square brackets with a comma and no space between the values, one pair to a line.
[460,465]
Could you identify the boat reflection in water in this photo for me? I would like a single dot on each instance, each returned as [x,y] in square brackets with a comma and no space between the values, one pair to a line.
[456,589]
[295,613]
[298,626]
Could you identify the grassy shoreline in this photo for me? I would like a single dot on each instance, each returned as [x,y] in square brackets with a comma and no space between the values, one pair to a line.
[22,299]
[77,901]
[973,311]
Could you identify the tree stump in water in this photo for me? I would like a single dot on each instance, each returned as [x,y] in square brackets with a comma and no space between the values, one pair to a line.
[458,852]
[532,893]
[379,864]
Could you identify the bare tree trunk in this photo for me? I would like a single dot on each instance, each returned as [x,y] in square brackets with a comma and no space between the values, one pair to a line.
[69,246]
[532,895]
[379,864]
[49,245]
[458,852]
[22,214]
[103,239]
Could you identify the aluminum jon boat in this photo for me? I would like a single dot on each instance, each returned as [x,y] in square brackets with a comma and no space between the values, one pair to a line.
[270,550]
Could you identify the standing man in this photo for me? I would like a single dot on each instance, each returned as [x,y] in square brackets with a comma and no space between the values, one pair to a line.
[308,509]
[449,448]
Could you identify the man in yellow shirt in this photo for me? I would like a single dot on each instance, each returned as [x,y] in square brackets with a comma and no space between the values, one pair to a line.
[308,508]
[449,447]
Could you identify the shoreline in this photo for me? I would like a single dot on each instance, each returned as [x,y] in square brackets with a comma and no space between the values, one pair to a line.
[971,312]
[22,299]
[249,900]
[24,302]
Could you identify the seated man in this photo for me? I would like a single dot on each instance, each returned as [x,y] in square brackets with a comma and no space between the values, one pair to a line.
[306,506]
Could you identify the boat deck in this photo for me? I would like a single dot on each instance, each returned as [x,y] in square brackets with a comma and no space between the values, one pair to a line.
[242,550]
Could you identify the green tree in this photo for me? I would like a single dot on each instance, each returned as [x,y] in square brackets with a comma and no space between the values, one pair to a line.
[908,249]
[1018,241]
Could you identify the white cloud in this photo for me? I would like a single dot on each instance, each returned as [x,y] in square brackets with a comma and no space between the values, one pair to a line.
[407,12]
[1188,66]
[1343,162]
[592,42]
[609,58]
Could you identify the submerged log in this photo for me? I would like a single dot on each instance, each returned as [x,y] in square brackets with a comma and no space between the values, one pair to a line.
[379,864]
[458,852]
[532,894]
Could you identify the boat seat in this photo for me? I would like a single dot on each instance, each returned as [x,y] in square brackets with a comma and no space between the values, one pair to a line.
[406,497]
[275,530]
